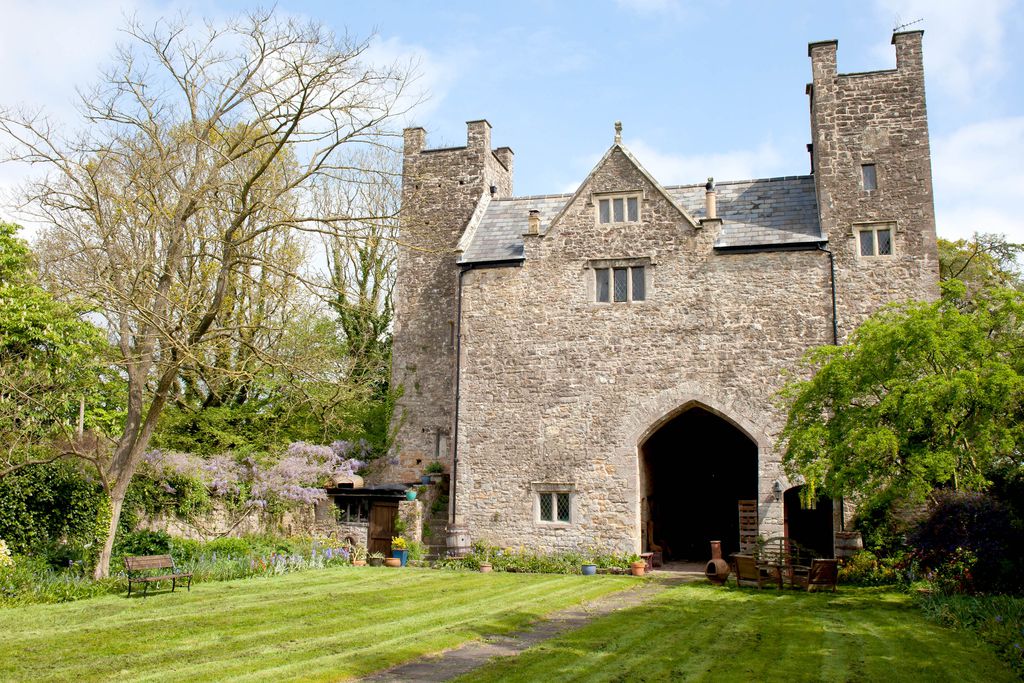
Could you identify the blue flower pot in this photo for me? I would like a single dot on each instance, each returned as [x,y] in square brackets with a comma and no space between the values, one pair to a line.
[410,494]
[589,569]
[403,555]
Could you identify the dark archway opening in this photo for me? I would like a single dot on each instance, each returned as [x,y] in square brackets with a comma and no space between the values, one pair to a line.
[810,527]
[694,472]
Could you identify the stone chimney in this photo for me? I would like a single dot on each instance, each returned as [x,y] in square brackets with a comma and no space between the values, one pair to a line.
[533,226]
[710,200]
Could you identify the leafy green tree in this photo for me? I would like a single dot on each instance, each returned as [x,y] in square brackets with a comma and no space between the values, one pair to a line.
[986,260]
[181,166]
[55,400]
[924,395]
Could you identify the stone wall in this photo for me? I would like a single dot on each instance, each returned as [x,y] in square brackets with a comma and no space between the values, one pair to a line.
[441,190]
[220,522]
[559,389]
[875,118]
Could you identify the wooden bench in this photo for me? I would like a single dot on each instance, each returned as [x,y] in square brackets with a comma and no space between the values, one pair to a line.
[135,566]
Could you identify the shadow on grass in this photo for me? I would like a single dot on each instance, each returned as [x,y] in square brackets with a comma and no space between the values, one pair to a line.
[700,631]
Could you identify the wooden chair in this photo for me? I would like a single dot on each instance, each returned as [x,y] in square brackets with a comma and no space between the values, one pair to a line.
[748,572]
[823,574]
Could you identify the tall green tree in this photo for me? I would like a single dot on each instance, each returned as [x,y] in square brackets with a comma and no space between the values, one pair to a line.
[923,395]
[985,260]
[179,169]
[53,402]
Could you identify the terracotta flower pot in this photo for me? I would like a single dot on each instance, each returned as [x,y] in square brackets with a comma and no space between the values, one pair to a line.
[485,567]
[392,562]
[358,563]
[637,568]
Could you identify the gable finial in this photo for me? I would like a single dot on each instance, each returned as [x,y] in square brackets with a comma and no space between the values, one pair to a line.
[618,132]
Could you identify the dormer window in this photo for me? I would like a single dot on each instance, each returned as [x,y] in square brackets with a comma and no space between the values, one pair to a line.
[619,209]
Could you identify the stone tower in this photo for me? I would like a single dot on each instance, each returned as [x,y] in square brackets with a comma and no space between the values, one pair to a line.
[442,190]
[873,179]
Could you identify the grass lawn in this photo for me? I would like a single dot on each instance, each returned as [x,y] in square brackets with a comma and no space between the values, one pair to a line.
[699,632]
[317,625]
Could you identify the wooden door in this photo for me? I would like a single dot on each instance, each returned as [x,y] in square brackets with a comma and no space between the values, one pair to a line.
[382,526]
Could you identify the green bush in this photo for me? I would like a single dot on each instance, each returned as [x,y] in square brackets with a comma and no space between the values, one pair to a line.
[142,542]
[866,569]
[32,580]
[528,562]
[996,619]
[42,505]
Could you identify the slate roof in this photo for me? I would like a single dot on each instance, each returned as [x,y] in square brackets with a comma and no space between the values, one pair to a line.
[768,213]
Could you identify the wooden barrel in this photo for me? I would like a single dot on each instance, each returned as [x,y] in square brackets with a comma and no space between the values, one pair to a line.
[848,544]
[459,543]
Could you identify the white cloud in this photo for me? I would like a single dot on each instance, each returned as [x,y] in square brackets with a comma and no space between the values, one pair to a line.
[964,50]
[979,179]
[434,74]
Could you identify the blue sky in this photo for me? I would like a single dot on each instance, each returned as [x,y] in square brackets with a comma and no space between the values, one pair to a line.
[702,88]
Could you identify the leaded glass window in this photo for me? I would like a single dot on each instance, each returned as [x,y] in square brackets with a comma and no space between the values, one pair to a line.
[867,243]
[639,284]
[546,511]
[563,506]
[884,242]
[603,286]
[555,507]
[620,285]
[869,177]
[625,209]
[875,240]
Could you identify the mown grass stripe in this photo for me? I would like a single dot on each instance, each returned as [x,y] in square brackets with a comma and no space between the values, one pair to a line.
[334,621]
[698,632]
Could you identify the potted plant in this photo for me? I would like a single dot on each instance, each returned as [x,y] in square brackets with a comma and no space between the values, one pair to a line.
[375,559]
[392,562]
[359,556]
[636,565]
[410,494]
[433,471]
[588,569]
[400,550]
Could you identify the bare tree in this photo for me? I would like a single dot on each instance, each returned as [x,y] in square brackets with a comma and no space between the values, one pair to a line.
[198,143]
[362,262]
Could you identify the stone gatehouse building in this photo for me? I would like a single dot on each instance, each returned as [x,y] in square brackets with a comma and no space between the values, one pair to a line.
[600,368]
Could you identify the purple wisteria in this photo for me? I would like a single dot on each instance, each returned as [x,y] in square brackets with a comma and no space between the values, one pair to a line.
[297,477]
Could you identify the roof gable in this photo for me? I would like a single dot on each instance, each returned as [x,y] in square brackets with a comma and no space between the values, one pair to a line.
[581,190]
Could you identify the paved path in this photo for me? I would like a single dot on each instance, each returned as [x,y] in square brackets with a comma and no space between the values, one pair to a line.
[450,664]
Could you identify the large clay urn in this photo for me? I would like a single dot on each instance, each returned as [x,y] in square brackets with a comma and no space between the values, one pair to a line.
[717,570]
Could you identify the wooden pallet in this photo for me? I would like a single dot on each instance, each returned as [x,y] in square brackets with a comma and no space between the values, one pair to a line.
[748,526]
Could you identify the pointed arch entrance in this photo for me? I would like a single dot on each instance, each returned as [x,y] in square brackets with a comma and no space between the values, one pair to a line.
[694,470]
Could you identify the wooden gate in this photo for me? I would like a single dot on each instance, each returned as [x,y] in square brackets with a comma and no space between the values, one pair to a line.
[382,526]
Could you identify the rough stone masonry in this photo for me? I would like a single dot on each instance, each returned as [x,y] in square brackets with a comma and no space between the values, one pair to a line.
[542,340]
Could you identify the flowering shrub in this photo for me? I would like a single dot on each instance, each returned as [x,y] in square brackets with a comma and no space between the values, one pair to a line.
[398,543]
[866,569]
[297,477]
[5,555]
